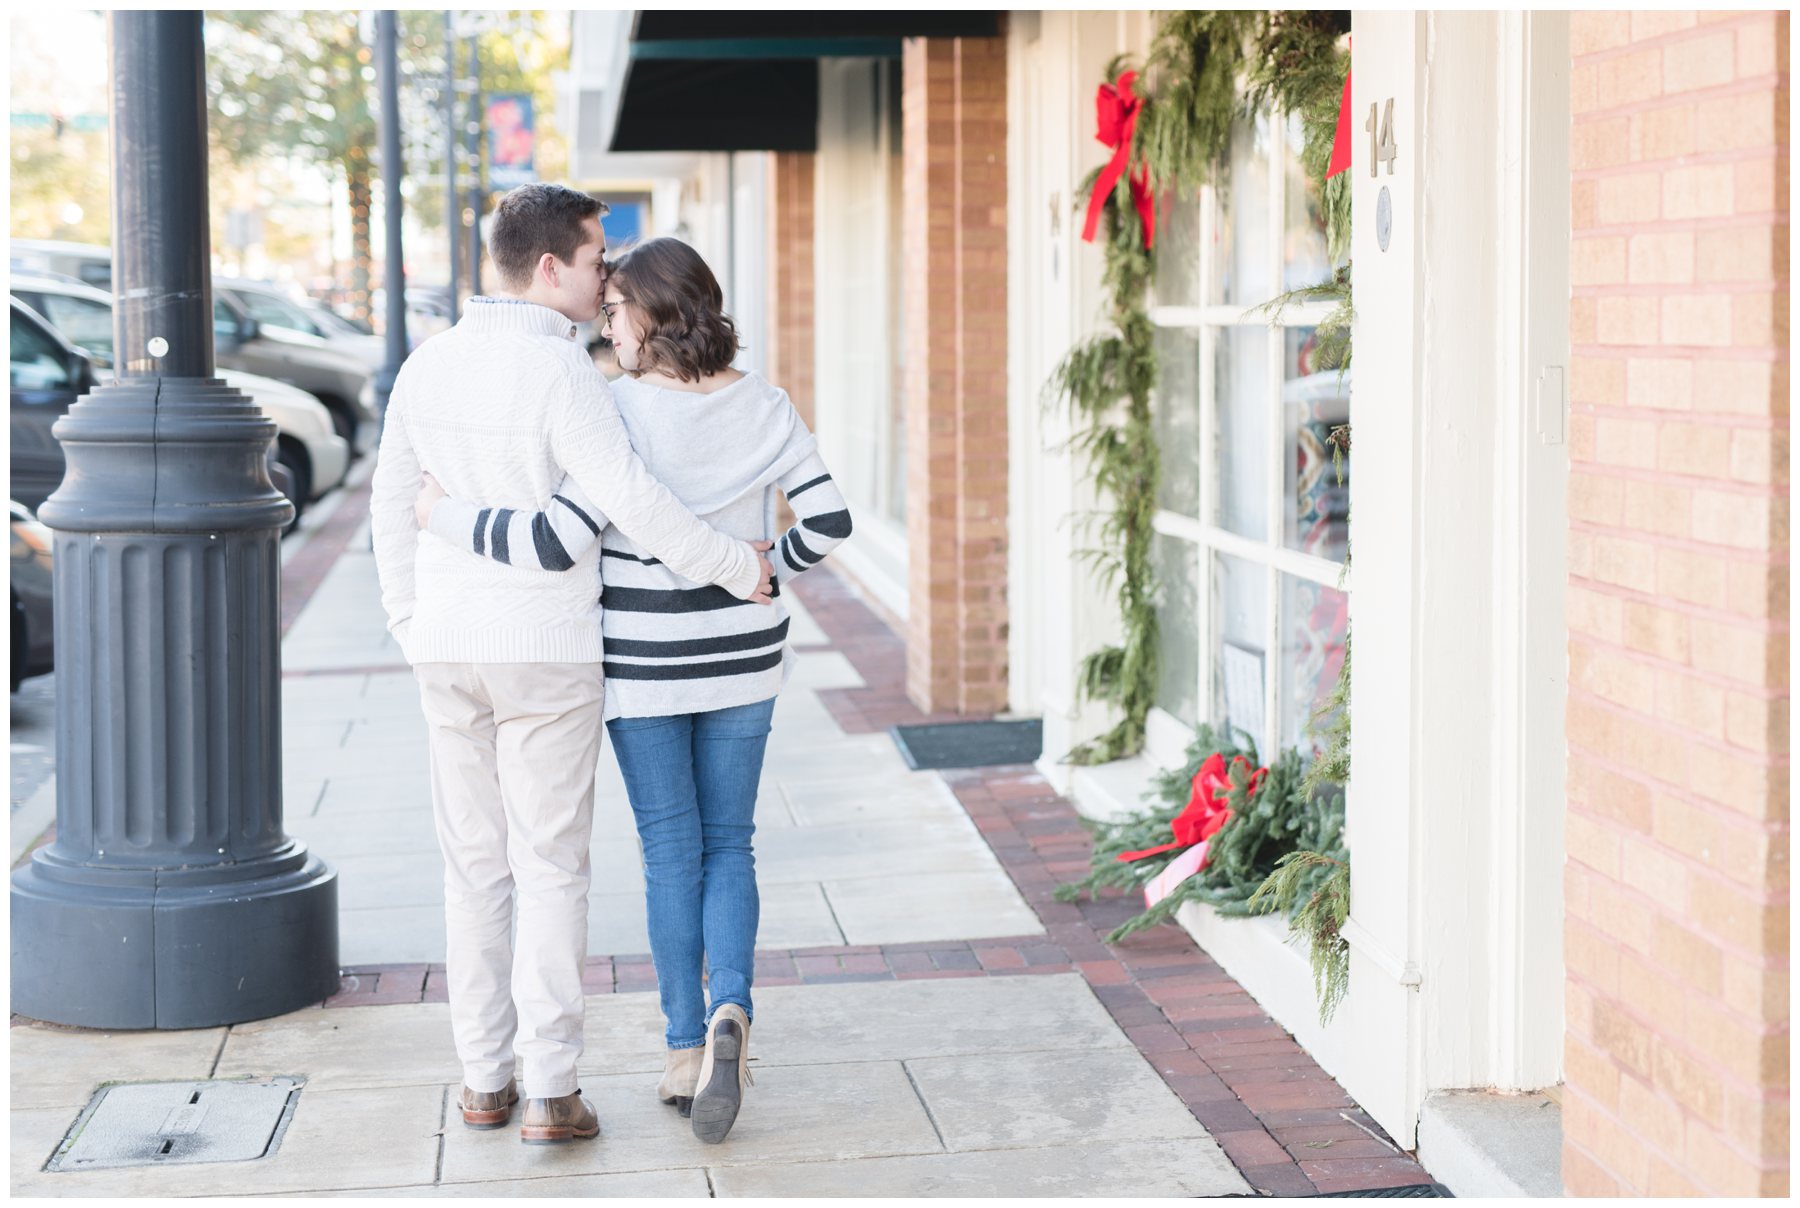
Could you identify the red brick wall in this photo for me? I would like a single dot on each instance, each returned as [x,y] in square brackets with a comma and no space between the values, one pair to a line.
[791,277]
[953,239]
[1677,827]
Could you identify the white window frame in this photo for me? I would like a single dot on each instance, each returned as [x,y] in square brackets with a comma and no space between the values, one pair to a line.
[1167,736]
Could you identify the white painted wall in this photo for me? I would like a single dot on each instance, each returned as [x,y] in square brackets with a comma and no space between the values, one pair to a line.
[1458,511]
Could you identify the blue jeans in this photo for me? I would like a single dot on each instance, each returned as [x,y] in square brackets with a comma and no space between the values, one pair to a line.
[692,781]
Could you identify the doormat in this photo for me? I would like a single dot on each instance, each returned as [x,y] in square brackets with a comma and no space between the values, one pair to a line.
[970,744]
[178,1123]
[1412,1191]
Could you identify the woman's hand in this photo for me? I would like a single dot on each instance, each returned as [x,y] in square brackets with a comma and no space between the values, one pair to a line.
[429,494]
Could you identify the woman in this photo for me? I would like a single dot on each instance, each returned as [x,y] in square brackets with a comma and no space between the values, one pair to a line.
[691,676]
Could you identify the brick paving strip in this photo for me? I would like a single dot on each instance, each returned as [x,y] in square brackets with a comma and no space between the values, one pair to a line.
[302,574]
[1287,1125]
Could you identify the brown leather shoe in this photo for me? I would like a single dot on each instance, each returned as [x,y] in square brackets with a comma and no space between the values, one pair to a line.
[566,1118]
[488,1109]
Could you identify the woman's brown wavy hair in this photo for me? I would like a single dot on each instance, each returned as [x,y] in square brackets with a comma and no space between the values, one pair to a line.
[677,301]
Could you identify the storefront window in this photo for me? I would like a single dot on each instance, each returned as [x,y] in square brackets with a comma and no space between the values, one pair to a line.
[1314,401]
[1241,383]
[1242,273]
[1176,412]
[1312,651]
[1177,569]
[1244,412]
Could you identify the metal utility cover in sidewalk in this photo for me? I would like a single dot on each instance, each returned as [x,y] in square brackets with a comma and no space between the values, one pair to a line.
[179,1123]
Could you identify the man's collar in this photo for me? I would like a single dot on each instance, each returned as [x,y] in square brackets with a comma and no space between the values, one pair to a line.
[517,314]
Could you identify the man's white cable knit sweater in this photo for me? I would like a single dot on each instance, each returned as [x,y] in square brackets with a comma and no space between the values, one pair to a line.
[498,408]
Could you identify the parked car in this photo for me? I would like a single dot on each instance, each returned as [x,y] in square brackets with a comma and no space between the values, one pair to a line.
[49,373]
[33,644]
[343,381]
[270,306]
[88,263]
[317,458]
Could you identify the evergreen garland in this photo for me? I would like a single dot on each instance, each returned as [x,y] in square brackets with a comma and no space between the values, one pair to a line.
[1282,816]
[1119,445]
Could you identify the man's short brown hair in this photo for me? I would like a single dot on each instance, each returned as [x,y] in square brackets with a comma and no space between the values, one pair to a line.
[538,218]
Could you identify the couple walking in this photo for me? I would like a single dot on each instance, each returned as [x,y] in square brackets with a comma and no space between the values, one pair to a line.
[555,553]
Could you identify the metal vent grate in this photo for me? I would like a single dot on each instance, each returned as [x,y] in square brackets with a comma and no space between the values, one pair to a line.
[178,1123]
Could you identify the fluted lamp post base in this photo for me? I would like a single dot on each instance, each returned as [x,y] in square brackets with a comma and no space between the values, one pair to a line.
[185,949]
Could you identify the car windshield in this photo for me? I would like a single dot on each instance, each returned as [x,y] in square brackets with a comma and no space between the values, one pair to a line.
[84,322]
[37,363]
[266,308]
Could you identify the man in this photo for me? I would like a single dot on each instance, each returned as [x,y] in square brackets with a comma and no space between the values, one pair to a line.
[508,659]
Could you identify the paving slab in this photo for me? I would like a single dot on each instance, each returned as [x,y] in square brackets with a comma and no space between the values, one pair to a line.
[803,630]
[391,935]
[824,669]
[393,879]
[1008,1100]
[885,797]
[793,915]
[337,1140]
[798,1114]
[889,849]
[378,832]
[44,1076]
[926,906]
[1178,1169]
[342,1048]
[658,1184]
[400,789]
[909,1020]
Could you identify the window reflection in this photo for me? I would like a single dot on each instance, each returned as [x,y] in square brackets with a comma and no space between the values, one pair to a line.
[1241,448]
[1312,653]
[1176,564]
[1314,401]
[1176,412]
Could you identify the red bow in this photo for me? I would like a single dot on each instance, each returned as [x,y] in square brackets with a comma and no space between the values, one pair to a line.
[1117,110]
[1206,812]
[1340,142]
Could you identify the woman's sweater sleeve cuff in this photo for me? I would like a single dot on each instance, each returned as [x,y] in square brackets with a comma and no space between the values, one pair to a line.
[454,521]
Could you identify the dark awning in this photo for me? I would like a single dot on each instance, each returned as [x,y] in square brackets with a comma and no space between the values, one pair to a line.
[749,81]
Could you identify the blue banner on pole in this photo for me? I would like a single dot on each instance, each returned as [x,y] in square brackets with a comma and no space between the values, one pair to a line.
[512,140]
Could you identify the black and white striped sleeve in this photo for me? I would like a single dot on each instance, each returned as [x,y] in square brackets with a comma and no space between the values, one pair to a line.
[824,519]
[553,539]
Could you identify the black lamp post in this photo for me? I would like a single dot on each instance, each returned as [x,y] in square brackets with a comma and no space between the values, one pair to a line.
[171,897]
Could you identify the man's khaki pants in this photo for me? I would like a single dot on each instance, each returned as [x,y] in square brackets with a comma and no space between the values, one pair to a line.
[513,752]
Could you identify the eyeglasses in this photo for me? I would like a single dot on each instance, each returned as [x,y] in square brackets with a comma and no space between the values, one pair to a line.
[607,308]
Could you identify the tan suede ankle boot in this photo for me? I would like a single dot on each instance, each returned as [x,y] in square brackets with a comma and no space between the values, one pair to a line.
[724,1073]
[681,1074]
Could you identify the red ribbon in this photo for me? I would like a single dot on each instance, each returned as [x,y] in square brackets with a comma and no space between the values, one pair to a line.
[1117,110]
[1340,142]
[1206,812]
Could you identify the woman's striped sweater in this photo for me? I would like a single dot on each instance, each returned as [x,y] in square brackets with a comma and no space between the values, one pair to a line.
[673,645]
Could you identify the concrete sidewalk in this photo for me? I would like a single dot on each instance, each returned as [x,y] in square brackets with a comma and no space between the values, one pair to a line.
[893,1057]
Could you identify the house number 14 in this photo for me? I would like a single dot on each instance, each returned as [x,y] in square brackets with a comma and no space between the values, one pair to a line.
[1382,148]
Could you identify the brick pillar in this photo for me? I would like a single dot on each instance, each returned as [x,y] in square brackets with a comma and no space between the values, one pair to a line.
[791,277]
[1677,825]
[954,284]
